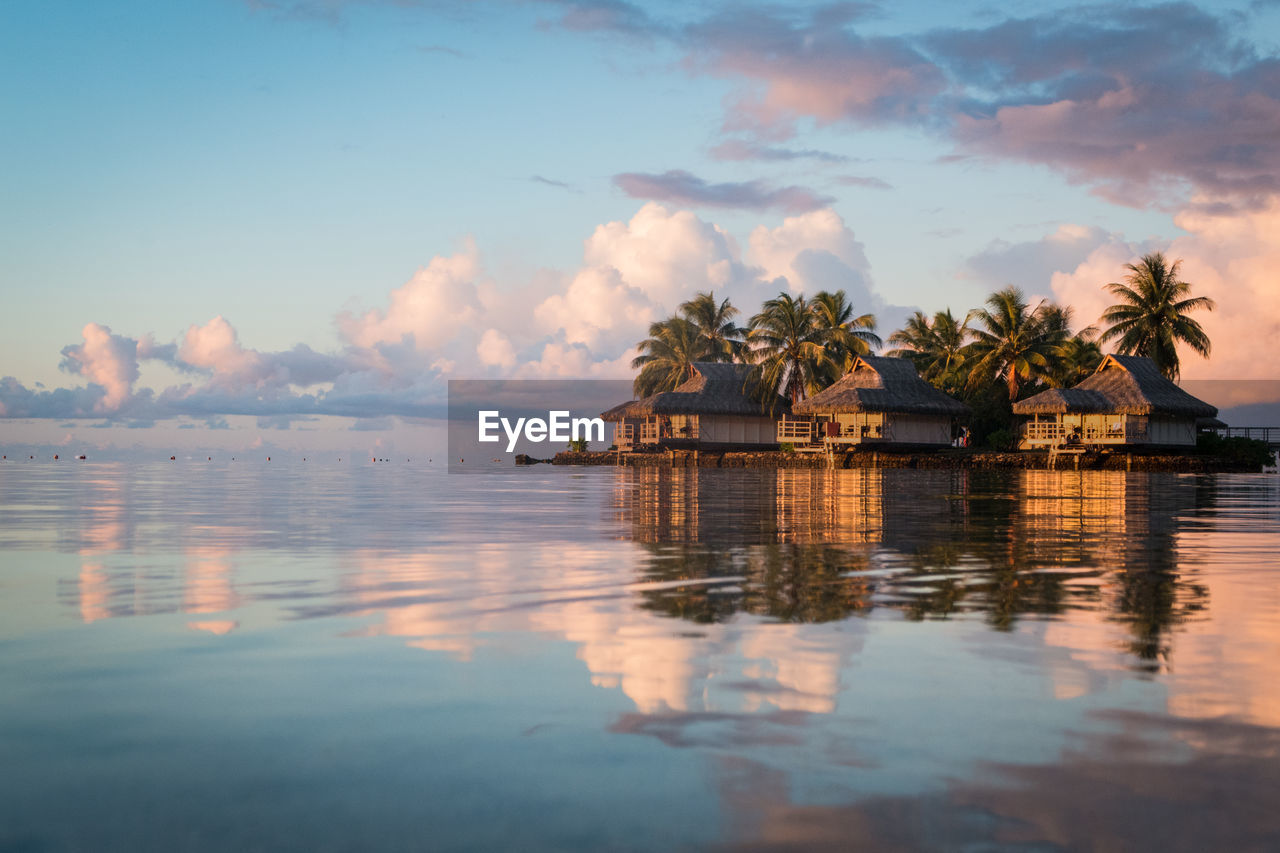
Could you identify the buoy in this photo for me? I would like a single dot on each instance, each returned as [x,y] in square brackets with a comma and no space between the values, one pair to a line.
[55,457]
[268,458]
[171,458]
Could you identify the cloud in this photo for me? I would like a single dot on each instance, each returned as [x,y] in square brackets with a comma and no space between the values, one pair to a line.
[639,271]
[598,306]
[373,424]
[1031,264]
[561,185]
[1231,258]
[110,361]
[782,251]
[495,349]
[681,187]
[739,150]
[427,311]
[810,66]
[450,317]
[863,181]
[1131,101]
[817,251]
[609,15]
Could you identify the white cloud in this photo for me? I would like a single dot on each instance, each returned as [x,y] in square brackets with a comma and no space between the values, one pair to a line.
[598,310]
[667,255]
[428,310]
[495,349]
[1231,257]
[583,324]
[107,360]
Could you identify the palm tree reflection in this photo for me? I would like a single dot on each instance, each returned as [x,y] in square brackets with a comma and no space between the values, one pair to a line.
[821,545]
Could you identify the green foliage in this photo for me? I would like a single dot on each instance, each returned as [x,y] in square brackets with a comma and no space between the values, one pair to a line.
[845,336]
[1002,439]
[1151,319]
[936,347]
[991,412]
[1237,450]
[578,445]
[721,338]
[790,348]
[667,356]
[1015,342]
[787,447]
[703,331]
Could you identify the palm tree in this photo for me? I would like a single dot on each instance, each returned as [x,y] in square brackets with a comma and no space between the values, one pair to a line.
[789,348]
[1015,341]
[936,347]
[1078,357]
[846,336]
[667,356]
[1151,319]
[723,339]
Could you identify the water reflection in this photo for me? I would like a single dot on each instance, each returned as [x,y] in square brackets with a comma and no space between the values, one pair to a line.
[905,659]
[1122,790]
[930,544]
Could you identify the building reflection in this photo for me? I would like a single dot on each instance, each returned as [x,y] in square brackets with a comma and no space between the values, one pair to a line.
[736,591]
[821,545]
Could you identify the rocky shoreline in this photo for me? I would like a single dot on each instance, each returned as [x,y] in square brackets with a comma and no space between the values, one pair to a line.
[980,460]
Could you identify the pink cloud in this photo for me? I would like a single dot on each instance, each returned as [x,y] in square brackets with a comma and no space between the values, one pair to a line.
[1230,257]
[108,360]
[428,310]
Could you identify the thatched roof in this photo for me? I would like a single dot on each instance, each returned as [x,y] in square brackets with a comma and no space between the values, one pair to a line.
[879,384]
[617,413]
[1122,385]
[714,389]
[1058,400]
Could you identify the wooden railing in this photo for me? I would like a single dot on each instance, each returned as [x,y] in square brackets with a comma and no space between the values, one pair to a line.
[1271,435]
[795,432]
[624,436]
[1091,433]
[1034,431]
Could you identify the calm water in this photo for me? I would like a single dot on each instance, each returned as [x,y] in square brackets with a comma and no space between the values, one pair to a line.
[204,656]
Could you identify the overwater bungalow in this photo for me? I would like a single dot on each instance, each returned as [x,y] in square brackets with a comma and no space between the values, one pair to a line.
[880,402]
[715,409]
[1127,402]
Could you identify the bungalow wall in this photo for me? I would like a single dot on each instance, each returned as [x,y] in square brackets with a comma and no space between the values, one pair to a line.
[919,429]
[737,429]
[1178,432]
[694,430]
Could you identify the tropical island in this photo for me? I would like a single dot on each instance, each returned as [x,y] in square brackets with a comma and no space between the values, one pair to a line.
[1009,384]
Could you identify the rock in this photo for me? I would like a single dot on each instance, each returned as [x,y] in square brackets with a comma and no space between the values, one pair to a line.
[524,459]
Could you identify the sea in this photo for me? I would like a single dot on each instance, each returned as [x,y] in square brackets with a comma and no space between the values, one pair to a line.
[210,655]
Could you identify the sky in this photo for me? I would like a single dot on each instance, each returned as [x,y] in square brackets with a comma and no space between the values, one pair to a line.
[286,223]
